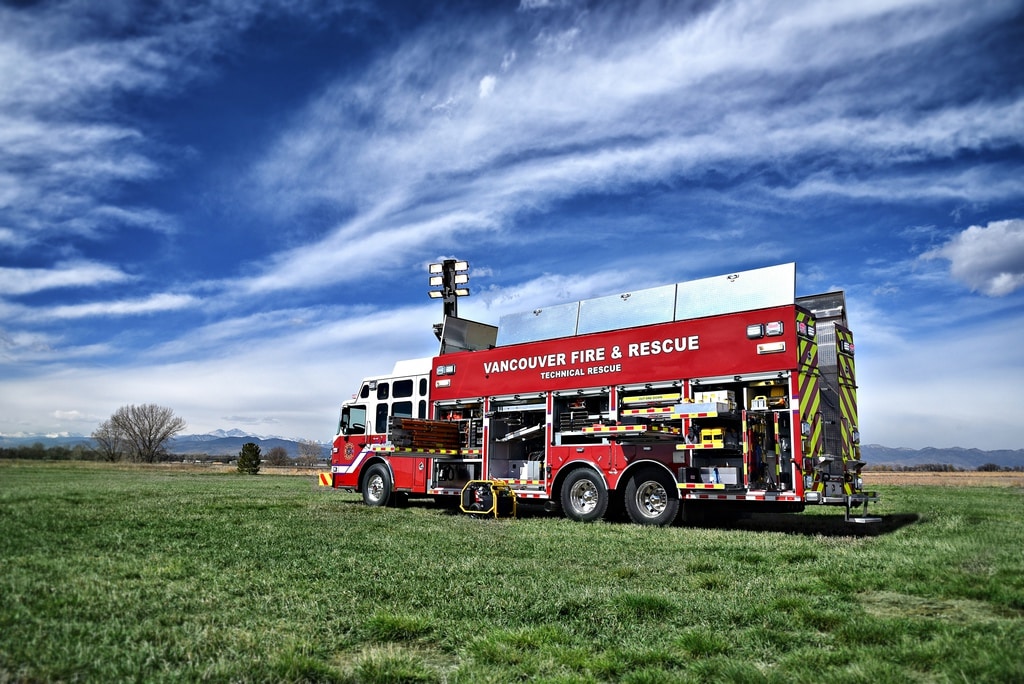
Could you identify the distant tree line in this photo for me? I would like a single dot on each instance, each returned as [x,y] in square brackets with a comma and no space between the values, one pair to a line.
[40,452]
[83,452]
[278,456]
[141,434]
[942,468]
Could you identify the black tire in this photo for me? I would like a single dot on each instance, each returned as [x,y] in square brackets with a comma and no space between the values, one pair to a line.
[651,497]
[377,486]
[584,496]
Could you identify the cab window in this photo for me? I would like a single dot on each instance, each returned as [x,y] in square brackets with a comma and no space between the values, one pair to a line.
[402,389]
[353,420]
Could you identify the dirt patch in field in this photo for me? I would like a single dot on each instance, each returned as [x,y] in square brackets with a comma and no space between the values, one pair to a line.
[310,471]
[890,604]
[955,479]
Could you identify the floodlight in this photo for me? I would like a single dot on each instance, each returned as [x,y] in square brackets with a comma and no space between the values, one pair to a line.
[771,347]
[450,275]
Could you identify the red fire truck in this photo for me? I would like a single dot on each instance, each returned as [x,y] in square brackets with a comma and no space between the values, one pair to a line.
[709,398]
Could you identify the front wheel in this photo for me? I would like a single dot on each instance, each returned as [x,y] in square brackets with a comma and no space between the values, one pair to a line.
[649,498]
[584,496]
[377,486]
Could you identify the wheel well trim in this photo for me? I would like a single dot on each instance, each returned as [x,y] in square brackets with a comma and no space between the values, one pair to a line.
[640,465]
[566,470]
[366,469]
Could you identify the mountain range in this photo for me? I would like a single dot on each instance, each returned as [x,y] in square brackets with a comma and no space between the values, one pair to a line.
[229,443]
[959,457]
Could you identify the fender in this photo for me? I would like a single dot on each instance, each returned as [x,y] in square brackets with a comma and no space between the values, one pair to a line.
[570,466]
[372,459]
[632,467]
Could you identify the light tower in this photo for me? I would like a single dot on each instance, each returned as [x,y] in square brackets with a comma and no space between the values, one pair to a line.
[451,276]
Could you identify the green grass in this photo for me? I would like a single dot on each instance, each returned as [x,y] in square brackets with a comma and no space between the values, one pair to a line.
[143,574]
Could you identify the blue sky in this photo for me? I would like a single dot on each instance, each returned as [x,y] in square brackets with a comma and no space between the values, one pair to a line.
[227,208]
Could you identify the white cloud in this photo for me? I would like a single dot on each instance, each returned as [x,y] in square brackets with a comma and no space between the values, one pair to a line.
[985,182]
[71,415]
[10,237]
[487,84]
[988,259]
[23,345]
[526,5]
[126,307]
[363,248]
[19,281]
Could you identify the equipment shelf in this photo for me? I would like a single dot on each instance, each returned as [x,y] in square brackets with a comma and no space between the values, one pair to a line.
[636,430]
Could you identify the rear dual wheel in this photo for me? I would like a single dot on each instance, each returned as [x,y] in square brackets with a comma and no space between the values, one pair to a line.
[651,497]
[584,496]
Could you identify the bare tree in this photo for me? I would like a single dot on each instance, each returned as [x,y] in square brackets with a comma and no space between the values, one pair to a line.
[309,452]
[146,429]
[109,441]
[278,456]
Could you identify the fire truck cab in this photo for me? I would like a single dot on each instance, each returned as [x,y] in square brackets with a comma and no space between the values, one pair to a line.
[712,397]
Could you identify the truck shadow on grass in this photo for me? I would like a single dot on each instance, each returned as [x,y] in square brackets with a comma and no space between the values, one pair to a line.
[811,525]
[816,525]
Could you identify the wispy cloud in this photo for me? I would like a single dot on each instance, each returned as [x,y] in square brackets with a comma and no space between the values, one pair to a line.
[68,69]
[19,281]
[127,307]
[564,122]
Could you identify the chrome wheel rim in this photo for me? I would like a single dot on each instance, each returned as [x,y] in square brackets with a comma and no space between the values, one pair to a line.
[651,499]
[375,487]
[584,496]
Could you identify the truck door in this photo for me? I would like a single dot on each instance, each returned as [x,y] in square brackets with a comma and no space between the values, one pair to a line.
[351,434]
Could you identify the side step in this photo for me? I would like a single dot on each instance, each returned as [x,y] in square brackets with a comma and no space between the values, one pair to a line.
[861,501]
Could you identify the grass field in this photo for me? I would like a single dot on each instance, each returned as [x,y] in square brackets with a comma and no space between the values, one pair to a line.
[149,574]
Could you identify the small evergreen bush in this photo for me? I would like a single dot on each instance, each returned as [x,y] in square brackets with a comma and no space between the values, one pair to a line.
[249,458]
